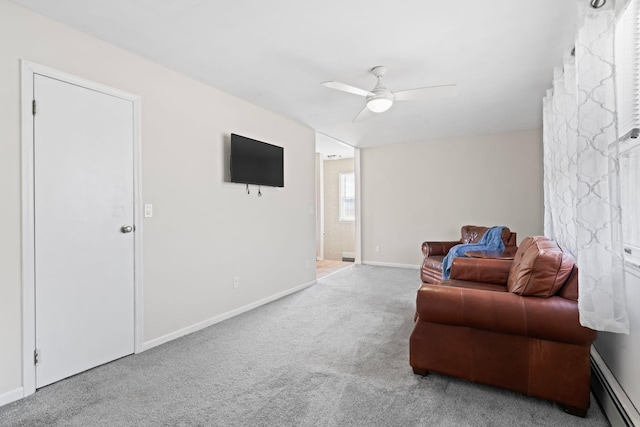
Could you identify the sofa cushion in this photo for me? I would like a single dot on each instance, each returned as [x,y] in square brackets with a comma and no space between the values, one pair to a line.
[483,286]
[553,319]
[540,268]
[434,262]
[472,233]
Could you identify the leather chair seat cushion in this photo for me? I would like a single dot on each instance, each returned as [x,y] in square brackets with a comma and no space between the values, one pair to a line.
[540,268]
[434,262]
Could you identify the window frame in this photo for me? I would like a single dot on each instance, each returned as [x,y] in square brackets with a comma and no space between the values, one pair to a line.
[342,197]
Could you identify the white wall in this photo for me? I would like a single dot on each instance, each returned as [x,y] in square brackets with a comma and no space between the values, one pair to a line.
[204,231]
[427,190]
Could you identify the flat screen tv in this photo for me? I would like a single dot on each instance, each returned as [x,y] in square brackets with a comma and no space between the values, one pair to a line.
[256,162]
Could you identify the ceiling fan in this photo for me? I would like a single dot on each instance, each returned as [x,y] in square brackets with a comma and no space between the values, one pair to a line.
[380,99]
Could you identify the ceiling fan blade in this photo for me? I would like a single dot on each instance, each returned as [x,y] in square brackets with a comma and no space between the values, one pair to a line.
[364,114]
[346,88]
[430,92]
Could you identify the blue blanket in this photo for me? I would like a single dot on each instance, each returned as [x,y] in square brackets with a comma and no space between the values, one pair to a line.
[490,241]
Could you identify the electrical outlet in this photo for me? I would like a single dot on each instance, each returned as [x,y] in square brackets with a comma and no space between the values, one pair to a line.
[377,249]
[307,263]
[236,282]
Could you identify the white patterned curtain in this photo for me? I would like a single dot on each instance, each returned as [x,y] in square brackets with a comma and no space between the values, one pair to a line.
[581,213]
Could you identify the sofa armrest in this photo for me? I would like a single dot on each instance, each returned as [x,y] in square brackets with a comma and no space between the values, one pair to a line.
[437,248]
[552,319]
[484,270]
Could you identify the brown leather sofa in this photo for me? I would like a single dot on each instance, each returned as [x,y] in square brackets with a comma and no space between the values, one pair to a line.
[511,324]
[434,252]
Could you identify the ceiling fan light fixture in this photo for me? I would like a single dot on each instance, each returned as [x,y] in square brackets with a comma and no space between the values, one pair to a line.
[379,104]
[380,99]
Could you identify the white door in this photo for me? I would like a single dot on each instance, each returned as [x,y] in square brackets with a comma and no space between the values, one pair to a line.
[84,259]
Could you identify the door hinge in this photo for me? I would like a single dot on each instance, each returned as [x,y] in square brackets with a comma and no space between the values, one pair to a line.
[33,107]
[35,357]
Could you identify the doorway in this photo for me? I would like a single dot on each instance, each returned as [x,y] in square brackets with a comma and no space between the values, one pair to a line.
[336,193]
[81,258]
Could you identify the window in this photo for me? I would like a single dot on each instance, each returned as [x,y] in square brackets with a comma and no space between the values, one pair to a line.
[347,197]
[627,60]
[629,161]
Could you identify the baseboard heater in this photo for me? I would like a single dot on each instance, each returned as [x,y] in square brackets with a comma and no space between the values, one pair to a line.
[619,409]
[349,256]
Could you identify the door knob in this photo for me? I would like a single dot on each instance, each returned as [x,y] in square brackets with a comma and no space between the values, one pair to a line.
[126,229]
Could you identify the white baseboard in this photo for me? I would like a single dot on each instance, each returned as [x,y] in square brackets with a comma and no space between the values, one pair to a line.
[11,396]
[616,405]
[224,316]
[391,264]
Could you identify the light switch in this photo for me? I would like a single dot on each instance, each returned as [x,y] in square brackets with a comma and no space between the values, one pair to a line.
[148,210]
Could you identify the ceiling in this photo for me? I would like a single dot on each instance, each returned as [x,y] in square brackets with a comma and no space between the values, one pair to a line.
[275,54]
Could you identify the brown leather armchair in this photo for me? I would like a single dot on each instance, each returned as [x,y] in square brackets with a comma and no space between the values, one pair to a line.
[511,324]
[434,252]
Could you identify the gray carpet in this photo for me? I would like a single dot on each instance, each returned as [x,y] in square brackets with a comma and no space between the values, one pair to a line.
[335,354]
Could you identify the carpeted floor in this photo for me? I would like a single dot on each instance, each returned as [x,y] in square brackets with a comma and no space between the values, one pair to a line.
[335,354]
